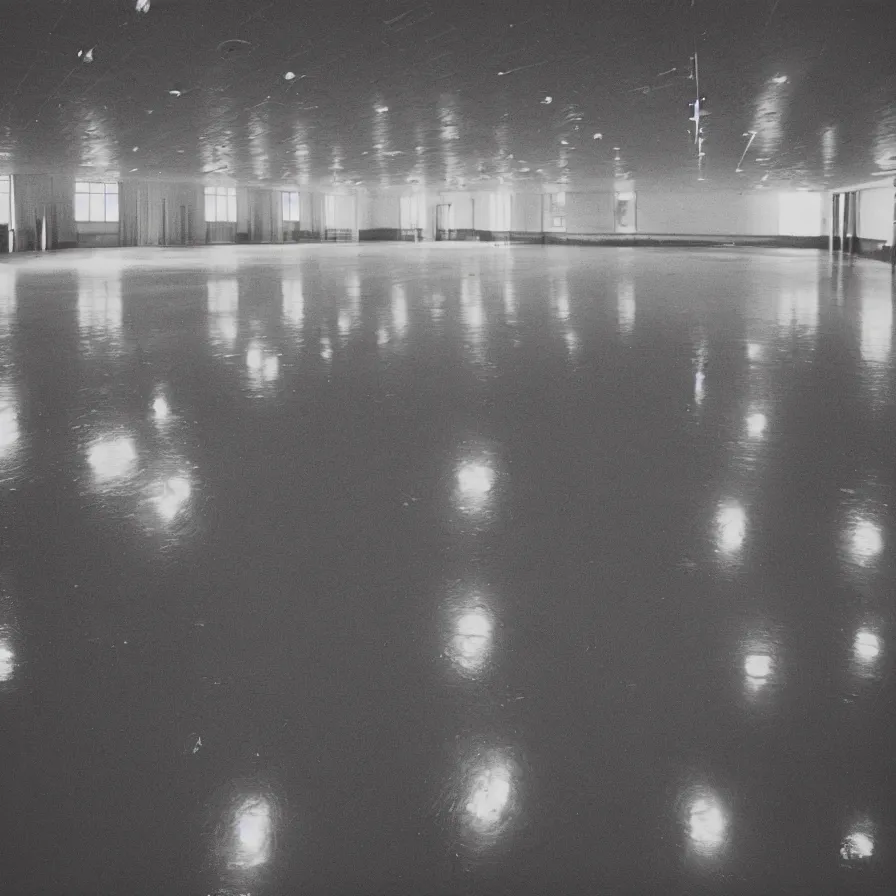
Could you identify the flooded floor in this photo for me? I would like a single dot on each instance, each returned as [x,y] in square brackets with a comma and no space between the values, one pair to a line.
[449,569]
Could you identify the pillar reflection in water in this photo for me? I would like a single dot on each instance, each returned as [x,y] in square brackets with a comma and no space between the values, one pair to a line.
[625,305]
[100,309]
[761,653]
[262,365]
[399,310]
[223,305]
[293,302]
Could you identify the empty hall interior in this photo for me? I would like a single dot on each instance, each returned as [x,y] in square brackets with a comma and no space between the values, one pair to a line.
[447,447]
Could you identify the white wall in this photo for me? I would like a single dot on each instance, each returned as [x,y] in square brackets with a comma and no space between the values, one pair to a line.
[746,214]
[875,214]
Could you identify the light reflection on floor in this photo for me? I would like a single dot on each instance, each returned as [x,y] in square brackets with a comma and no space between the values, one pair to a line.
[476,553]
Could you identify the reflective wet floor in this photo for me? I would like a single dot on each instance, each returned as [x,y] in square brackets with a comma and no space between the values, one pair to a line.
[447,569]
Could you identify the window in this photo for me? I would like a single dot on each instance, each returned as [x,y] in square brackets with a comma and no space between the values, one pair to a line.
[96,202]
[290,206]
[558,222]
[4,199]
[220,204]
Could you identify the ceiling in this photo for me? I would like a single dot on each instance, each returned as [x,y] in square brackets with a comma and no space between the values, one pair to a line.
[387,93]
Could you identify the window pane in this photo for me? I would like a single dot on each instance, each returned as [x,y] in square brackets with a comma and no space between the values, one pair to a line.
[111,206]
[82,207]
[82,186]
[97,207]
[97,188]
[295,207]
[112,188]
[209,208]
[284,206]
[231,207]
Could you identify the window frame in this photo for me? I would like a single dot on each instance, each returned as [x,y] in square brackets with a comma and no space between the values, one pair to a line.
[290,206]
[222,202]
[98,196]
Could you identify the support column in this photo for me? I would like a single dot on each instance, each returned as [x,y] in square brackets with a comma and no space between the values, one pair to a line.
[852,223]
[832,229]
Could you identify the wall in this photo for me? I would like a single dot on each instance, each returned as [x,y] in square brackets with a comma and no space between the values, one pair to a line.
[589,213]
[527,213]
[747,214]
[874,216]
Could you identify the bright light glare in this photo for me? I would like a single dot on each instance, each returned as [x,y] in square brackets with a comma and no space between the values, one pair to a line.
[160,408]
[7,661]
[489,797]
[472,640]
[9,426]
[112,458]
[867,539]
[756,424]
[253,833]
[754,351]
[173,494]
[758,666]
[857,845]
[475,480]
[866,645]
[707,824]
[732,526]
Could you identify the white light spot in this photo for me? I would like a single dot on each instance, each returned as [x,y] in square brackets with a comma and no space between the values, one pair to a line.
[289,76]
[254,358]
[253,834]
[112,458]
[271,368]
[160,408]
[758,666]
[857,845]
[475,480]
[866,645]
[9,425]
[174,493]
[471,642]
[779,79]
[381,109]
[707,824]
[754,351]
[732,526]
[142,5]
[867,540]
[756,424]
[7,661]
[489,797]
[547,101]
